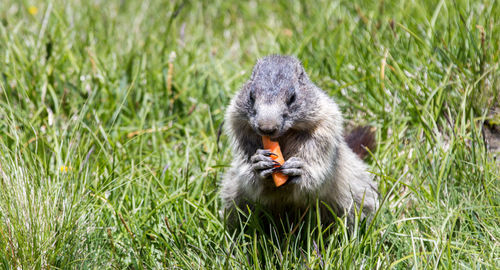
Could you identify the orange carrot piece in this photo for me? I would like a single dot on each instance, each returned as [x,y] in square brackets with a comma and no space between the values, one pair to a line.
[278,177]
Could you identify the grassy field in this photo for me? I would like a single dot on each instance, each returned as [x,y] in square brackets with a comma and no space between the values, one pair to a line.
[109,113]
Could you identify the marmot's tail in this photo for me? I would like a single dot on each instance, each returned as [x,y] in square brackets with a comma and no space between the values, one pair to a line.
[361,138]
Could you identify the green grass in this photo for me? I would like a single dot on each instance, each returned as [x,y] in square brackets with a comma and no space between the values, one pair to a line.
[103,164]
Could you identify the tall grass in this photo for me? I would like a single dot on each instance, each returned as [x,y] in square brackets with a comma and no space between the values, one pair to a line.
[108,143]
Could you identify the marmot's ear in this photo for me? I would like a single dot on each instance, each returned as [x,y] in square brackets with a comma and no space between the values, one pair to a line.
[255,68]
[302,76]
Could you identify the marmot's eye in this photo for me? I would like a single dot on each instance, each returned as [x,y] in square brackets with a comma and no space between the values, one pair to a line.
[291,100]
[252,97]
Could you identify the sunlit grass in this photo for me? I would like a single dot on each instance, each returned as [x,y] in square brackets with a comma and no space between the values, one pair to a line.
[108,143]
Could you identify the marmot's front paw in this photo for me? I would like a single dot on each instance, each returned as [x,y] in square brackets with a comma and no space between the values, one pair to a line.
[262,163]
[292,167]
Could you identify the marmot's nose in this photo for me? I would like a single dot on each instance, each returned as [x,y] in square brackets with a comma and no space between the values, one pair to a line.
[268,119]
[267,130]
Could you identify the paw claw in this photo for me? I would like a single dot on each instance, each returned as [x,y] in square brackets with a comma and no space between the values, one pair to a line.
[292,167]
[263,164]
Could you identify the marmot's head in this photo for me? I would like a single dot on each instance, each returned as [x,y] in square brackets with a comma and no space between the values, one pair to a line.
[278,96]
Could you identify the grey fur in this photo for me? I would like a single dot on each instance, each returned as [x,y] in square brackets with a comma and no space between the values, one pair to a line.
[308,127]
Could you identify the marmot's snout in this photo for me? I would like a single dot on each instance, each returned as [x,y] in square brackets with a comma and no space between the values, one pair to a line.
[268,120]
[267,130]
[268,125]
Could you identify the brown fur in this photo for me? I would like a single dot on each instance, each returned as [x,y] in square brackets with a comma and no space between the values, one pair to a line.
[360,139]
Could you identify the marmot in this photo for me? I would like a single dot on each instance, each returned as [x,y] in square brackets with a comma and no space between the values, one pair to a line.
[280,101]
